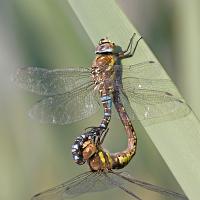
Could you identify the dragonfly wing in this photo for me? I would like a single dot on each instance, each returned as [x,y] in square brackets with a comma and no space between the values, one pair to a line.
[133,83]
[119,182]
[144,69]
[83,183]
[65,108]
[150,186]
[154,100]
[50,82]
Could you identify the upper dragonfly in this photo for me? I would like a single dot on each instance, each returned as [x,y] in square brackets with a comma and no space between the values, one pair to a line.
[73,94]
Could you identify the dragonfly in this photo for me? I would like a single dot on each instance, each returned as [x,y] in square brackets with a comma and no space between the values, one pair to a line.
[75,93]
[103,174]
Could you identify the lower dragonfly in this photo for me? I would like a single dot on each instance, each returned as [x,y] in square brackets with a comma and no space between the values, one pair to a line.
[73,94]
[103,174]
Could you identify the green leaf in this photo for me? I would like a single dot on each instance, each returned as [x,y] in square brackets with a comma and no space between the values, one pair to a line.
[178,141]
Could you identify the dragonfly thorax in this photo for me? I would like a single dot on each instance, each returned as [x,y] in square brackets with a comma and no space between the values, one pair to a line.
[100,161]
[84,146]
[103,73]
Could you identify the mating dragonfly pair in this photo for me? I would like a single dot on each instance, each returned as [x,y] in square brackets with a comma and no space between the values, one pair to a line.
[73,94]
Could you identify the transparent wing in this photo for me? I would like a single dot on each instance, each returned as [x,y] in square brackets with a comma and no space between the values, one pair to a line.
[154,100]
[150,186]
[66,108]
[144,69]
[100,181]
[132,83]
[50,82]
[119,182]
[86,182]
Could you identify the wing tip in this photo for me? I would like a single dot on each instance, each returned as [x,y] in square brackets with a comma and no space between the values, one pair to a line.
[35,196]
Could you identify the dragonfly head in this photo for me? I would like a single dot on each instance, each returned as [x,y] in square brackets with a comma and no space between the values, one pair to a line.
[105,46]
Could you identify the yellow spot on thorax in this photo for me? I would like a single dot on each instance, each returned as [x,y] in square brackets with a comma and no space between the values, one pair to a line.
[111,64]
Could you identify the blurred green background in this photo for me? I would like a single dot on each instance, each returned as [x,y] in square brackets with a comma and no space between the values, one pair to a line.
[36,156]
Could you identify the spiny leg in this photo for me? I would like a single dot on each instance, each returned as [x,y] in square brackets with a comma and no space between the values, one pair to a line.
[100,134]
[129,52]
[103,136]
[130,44]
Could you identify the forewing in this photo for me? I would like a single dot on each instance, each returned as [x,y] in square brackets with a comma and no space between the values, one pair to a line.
[154,100]
[84,183]
[50,82]
[65,108]
[149,186]
[144,69]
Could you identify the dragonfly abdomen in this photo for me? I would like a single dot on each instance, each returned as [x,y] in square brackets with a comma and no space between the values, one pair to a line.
[107,105]
[123,158]
[103,75]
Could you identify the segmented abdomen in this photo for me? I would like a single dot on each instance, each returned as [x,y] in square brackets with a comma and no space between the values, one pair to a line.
[121,159]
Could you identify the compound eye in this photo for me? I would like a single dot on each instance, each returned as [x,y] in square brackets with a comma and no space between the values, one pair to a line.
[101,40]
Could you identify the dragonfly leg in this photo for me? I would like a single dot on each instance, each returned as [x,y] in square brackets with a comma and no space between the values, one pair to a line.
[130,44]
[103,136]
[129,52]
[99,134]
[93,128]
